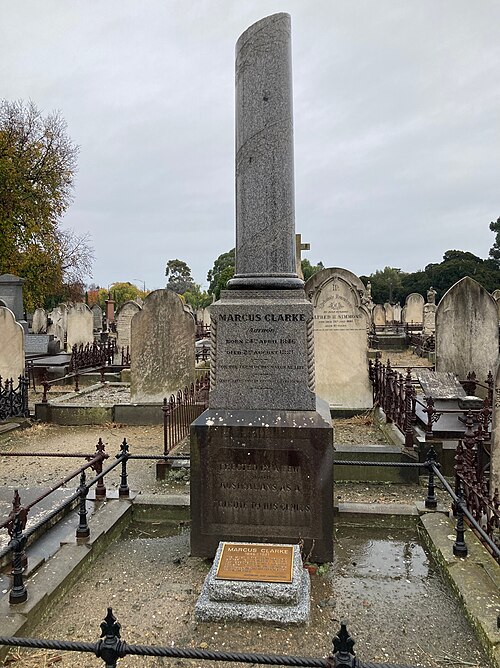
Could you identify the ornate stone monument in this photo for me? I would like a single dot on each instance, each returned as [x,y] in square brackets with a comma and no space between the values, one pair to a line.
[262,455]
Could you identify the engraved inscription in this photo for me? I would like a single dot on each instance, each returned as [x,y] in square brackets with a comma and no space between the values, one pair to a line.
[337,309]
[255,563]
[260,487]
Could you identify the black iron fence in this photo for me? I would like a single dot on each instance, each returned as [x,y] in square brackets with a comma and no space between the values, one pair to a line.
[395,393]
[14,398]
[94,354]
[125,356]
[423,344]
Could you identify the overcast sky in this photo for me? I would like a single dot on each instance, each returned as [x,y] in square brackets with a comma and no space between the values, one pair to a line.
[397,125]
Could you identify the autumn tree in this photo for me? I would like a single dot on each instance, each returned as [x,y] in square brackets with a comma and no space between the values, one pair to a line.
[37,167]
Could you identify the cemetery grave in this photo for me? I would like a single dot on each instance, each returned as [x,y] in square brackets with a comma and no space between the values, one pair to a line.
[261,455]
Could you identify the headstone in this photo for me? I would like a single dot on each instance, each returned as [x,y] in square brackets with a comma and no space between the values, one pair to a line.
[11,293]
[378,316]
[262,455]
[440,384]
[39,325]
[97,317]
[414,305]
[12,346]
[389,313]
[396,310]
[162,340]
[58,323]
[37,344]
[429,316]
[80,325]
[340,338]
[123,318]
[467,331]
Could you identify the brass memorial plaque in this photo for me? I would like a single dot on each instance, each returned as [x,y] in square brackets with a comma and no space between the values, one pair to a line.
[253,562]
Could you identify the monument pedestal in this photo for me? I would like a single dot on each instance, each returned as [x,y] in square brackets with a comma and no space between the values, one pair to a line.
[262,476]
[267,602]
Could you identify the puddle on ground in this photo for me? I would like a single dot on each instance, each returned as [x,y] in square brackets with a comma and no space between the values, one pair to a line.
[394,598]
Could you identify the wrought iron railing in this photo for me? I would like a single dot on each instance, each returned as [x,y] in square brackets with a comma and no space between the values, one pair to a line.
[92,355]
[14,398]
[180,409]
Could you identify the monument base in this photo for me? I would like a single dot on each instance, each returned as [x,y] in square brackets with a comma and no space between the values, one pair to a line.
[268,602]
[262,476]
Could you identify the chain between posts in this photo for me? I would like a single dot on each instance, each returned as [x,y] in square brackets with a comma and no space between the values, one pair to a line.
[110,648]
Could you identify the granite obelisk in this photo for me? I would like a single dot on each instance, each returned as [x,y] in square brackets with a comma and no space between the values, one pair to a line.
[262,454]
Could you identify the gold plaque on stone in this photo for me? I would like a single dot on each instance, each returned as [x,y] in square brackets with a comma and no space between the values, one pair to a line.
[255,562]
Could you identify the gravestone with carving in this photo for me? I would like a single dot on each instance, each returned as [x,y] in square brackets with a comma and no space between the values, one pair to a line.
[378,315]
[39,325]
[340,338]
[262,455]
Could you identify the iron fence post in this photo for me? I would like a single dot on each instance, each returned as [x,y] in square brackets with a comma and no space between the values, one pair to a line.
[431,501]
[110,649]
[83,530]
[100,490]
[343,652]
[124,488]
[18,593]
[459,546]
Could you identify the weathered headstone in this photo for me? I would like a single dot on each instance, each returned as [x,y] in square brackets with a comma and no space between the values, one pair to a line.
[496,296]
[467,330]
[80,324]
[58,323]
[414,306]
[262,455]
[11,346]
[39,325]
[440,384]
[378,316]
[429,315]
[389,313]
[340,338]
[97,317]
[396,310]
[123,318]
[162,339]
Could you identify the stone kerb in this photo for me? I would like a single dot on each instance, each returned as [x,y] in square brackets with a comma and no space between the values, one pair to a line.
[162,338]
[341,322]
[12,346]
[467,330]
[123,318]
[414,312]
[80,325]
[39,325]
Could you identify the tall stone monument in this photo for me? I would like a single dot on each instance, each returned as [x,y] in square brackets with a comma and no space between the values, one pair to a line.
[262,454]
